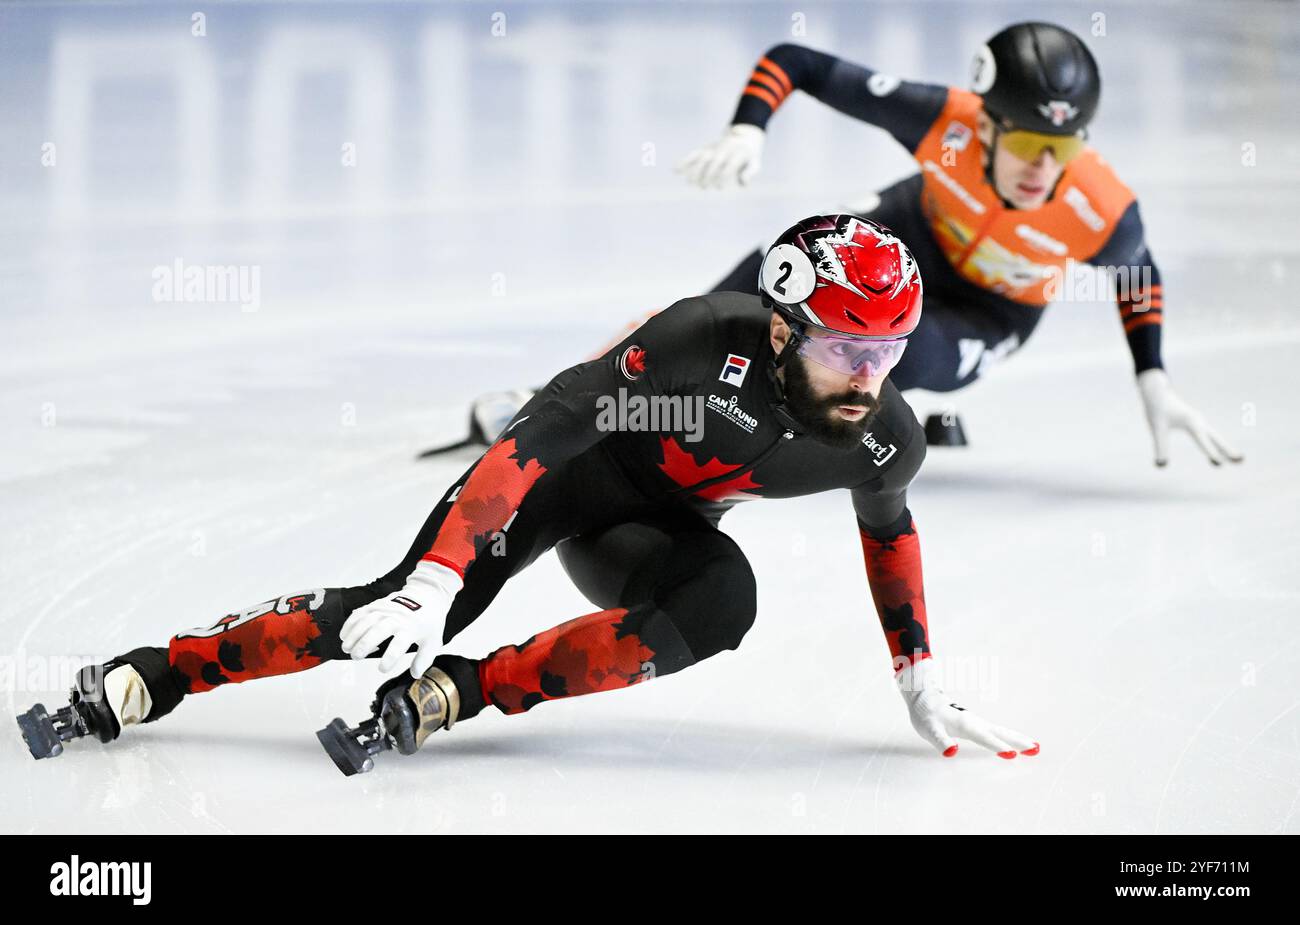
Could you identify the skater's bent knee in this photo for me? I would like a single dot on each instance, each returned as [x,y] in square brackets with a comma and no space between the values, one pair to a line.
[716,607]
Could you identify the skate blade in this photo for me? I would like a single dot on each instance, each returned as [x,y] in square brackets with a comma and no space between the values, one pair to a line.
[344,750]
[469,443]
[39,734]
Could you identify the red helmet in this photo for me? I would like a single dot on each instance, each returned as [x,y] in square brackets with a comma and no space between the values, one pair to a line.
[845,274]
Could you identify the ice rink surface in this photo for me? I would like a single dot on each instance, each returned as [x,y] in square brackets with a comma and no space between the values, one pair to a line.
[510,206]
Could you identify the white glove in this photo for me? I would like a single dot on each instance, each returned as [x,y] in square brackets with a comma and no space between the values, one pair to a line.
[415,614]
[734,158]
[1166,410]
[939,721]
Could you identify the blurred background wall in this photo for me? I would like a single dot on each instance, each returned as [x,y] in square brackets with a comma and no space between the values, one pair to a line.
[481,164]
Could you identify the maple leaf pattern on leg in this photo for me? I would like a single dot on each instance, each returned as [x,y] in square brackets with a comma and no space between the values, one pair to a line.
[244,646]
[582,656]
[602,651]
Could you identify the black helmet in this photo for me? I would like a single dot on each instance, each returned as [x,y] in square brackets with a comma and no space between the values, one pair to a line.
[1038,77]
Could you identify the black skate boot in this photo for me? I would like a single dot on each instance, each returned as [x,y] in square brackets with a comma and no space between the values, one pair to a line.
[88,713]
[488,416]
[105,698]
[404,714]
[944,430]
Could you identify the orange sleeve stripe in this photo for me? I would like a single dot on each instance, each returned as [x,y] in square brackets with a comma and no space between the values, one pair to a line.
[759,77]
[763,95]
[1138,308]
[1138,321]
[775,70]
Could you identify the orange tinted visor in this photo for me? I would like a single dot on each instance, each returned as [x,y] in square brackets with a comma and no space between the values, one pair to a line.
[1029,145]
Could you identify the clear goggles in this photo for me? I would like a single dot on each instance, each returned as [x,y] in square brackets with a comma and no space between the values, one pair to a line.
[852,356]
[1029,145]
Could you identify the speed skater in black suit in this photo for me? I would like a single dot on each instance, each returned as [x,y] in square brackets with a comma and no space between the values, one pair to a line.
[624,465]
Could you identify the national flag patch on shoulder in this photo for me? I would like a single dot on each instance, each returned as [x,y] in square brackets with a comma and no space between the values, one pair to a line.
[956,136]
[632,363]
[733,371]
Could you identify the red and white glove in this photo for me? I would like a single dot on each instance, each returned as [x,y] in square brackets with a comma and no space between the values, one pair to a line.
[414,615]
[939,720]
[1165,410]
[734,158]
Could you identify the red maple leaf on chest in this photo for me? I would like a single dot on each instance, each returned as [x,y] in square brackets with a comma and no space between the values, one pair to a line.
[680,466]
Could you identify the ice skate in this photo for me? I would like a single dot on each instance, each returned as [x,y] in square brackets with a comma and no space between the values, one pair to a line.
[405,712]
[488,416]
[945,429]
[105,698]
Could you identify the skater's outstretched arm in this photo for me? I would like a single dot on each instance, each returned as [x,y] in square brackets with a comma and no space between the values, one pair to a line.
[563,420]
[1140,298]
[903,108]
[891,552]
[1138,291]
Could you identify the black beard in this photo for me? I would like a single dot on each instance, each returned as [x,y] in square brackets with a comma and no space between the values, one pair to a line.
[818,414]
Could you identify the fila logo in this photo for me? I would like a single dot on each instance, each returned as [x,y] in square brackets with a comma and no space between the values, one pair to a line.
[882,451]
[733,371]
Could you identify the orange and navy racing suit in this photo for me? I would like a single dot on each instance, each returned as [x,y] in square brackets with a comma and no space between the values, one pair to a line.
[989,268]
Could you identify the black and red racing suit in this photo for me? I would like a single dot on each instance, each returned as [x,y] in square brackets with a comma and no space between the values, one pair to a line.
[626,465]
